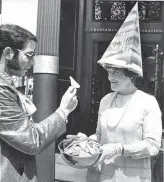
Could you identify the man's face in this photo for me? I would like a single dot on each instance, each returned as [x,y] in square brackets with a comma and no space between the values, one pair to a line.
[25,59]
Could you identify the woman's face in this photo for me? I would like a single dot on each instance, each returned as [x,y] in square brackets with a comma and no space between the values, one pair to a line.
[25,59]
[119,82]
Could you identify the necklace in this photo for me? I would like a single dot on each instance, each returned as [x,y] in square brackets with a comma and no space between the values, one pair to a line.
[123,99]
[117,109]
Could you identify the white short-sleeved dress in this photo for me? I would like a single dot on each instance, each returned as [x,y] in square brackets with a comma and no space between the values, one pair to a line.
[138,127]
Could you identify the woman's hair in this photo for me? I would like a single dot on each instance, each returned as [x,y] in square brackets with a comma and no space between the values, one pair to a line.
[14,36]
[130,74]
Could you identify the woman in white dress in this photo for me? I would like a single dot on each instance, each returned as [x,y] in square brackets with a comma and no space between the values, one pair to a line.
[129,129]
[129,123]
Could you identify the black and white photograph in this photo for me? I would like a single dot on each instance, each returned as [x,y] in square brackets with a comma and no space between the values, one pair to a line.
[81,91]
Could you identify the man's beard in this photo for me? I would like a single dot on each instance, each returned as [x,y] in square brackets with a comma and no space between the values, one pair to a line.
[13,64]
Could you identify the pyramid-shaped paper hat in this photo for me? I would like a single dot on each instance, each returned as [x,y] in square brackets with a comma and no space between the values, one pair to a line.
[125,49]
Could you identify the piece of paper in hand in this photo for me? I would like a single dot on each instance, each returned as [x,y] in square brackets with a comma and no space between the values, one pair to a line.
[74,83]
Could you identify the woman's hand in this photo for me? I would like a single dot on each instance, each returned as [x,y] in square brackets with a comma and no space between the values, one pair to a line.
[109,150]
[80,135]
[69,100]
[94,137]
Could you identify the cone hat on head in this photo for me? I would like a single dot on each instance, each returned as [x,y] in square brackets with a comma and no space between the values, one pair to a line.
[125,49]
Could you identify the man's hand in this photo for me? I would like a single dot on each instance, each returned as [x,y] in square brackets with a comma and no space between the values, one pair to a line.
[69,100]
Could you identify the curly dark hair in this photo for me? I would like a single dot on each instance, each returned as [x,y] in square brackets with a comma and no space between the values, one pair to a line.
[14,36]
[130,74]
